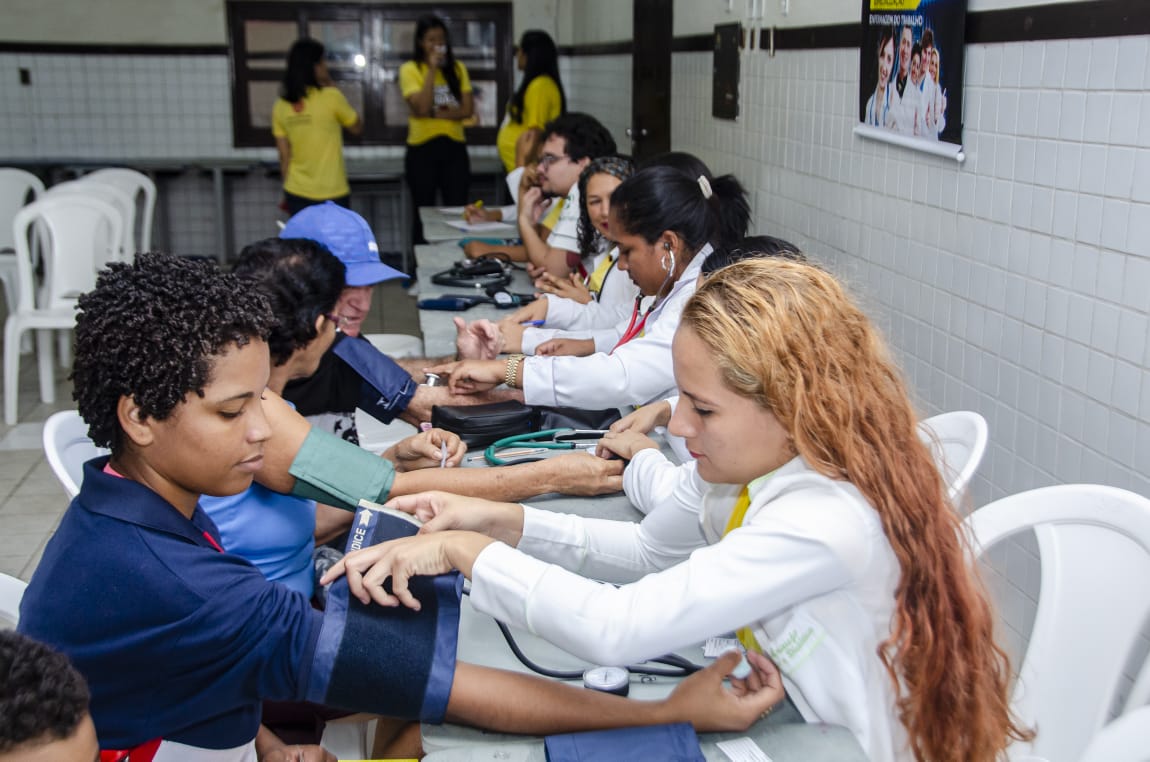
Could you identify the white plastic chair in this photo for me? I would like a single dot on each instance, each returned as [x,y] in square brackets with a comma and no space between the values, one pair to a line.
[1127,739]
[73,249]
[68,448]
[11,591]
[958,444]
[1094,545]
[142,191]
[17,188]
[123,203]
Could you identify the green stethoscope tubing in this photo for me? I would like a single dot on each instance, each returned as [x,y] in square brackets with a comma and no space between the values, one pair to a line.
[533,437]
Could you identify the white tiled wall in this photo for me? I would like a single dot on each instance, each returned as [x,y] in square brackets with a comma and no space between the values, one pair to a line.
[1016,284]
[601,86]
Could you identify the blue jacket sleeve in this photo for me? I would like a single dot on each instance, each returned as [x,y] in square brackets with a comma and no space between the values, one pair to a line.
[387,388]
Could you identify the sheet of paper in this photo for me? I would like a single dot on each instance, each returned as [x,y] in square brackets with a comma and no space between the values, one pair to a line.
[743,750]
[455,210]
[474,227]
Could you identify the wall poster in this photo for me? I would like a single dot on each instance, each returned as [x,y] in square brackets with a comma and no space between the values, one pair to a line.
[910,79]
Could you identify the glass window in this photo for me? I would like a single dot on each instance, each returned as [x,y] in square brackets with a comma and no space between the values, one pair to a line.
[366,44]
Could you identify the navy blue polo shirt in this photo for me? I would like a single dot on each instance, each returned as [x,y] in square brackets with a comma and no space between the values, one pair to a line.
[177,639]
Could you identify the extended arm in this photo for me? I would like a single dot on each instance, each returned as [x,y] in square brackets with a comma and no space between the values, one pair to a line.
[516,703]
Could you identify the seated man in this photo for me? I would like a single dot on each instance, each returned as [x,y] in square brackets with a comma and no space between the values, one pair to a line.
[570,142]
[179,640]
[353,373]
[43,705]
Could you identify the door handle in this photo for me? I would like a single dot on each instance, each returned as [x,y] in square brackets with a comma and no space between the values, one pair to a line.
[639,133]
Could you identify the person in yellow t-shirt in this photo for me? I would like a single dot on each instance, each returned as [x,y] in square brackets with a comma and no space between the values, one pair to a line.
[308,122]
[438,92]
[538,99]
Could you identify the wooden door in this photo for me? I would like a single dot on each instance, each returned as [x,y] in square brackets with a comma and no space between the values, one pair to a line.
[650,130]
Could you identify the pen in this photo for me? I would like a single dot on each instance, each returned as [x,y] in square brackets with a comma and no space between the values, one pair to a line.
[442,454]
[478,205]
[533,323]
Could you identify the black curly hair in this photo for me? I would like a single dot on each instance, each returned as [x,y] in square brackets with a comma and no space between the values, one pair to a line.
[616,165]
[301,280]
[42,696]
[150,330]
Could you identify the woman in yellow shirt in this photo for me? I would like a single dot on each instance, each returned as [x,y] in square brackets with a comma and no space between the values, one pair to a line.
[308,122]
[538,100]
[438,92]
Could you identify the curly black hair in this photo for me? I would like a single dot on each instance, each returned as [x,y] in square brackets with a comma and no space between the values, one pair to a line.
[150,330]
[301,280]
[42,696]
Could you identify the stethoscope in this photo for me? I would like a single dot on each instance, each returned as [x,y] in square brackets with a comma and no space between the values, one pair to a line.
[547,439]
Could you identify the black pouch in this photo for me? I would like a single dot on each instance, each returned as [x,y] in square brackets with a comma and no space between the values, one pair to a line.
[576,418]
[480,425]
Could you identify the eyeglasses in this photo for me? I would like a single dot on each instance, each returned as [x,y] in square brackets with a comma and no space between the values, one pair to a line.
[548,159]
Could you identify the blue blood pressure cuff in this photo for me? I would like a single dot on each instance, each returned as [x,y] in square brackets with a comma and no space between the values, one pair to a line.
[386,388]
[390,661]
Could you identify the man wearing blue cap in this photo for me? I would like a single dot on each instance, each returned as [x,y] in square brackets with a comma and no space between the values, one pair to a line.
[353,373]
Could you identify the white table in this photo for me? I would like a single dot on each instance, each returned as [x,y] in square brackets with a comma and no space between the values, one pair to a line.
[436,325]
[480,642]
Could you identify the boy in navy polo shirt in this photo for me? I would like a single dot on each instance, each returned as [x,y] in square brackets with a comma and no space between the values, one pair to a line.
[179,640]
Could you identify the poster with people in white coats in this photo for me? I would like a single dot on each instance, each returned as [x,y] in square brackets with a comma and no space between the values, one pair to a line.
[911,62]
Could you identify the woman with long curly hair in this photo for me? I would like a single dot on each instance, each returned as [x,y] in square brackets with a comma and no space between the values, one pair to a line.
[824,536]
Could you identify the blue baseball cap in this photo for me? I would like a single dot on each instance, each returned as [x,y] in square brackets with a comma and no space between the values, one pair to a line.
[346,235]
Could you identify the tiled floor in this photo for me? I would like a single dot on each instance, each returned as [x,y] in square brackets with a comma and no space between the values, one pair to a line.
[32,500]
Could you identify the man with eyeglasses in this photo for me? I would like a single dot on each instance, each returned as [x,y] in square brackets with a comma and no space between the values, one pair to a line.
[570,142]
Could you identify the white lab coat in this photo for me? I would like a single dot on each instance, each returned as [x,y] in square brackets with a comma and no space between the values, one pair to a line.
[636,373]
[599,319]
[810,571]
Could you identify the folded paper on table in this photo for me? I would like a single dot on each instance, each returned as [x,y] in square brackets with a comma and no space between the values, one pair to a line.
[474,227]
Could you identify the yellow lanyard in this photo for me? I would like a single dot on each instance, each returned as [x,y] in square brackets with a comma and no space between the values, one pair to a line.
[599,274]
[738,514]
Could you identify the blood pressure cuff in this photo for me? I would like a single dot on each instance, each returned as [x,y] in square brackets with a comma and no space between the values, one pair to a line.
[332,471]
[387,388]
[673,743]
[390,661]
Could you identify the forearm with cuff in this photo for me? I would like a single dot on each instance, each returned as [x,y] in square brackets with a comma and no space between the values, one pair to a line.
[329,470]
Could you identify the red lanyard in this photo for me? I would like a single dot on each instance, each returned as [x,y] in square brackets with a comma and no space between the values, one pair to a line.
[633,328]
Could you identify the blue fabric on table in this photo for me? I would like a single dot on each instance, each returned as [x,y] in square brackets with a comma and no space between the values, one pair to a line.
[668,743]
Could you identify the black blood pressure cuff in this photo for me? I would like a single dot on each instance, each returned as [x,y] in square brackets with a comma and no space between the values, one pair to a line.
[390,661]
[332,471]
[387,388]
